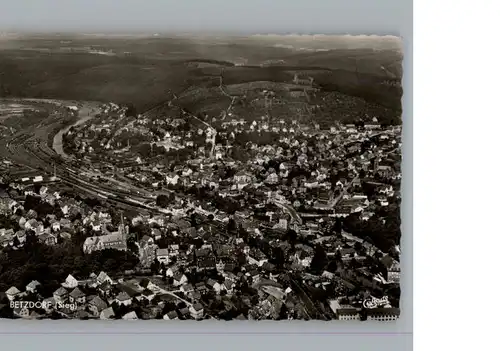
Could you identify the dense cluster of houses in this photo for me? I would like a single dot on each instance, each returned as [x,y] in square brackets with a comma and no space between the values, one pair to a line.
[100,297]
[231,213]
[48,228]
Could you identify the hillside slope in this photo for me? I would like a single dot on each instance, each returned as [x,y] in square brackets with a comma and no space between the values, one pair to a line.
[154,68]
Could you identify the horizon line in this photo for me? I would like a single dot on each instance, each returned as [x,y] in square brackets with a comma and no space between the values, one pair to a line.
[153,32]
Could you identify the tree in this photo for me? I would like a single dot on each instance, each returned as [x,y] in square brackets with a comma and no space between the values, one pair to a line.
[55,315]
[354,263]
[193,219]
[30,202]
[319,259]
[31,240]
[132,245]
[163,200]
[240,258]
[231,225]
[332,266]
[278,256]
[369,189]
[163,272]
[16,241]
[198,243]
[155,266]
[243,233]
[357,246]
[43,209]
[144,150]
[37,187]
[131,111]
[337,227]
[240,154]
[291,237]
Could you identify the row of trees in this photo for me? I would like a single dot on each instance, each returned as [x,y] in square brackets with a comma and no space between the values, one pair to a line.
[383,229]
[50,265]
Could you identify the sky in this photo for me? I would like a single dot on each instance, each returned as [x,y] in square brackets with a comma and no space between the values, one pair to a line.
[213,16]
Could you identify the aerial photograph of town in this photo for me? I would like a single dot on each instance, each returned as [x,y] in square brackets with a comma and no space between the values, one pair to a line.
[200,177]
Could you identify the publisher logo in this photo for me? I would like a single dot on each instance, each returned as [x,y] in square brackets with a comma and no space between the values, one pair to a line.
[373,302]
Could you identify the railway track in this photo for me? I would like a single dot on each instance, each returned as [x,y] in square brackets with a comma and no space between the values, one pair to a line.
[46,158]
[33,153]
[30,149]
[310,307]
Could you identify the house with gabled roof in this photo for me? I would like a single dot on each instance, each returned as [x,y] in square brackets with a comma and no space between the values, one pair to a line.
[107,313]
[123,299]
[196,311]
[163,256]
[228,286]
[12,292]
[214,285]
[97,305]
[22,312]
[105,289]
[60,295]
[31,287]
[6,239]
[147,294]
[180,279]
[47,239]
[77,296]
[184,313]
[48,304]
[130,316]
[103,277]
[70,282]
[170,316]
[200,287]
[207,264]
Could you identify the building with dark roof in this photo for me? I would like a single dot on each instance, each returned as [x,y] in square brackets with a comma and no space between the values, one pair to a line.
[77,296]
[383,314]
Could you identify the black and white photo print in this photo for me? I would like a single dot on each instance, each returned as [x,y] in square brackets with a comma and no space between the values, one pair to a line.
[200,177]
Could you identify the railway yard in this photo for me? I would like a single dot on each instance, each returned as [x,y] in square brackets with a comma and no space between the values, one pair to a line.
[29,152]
